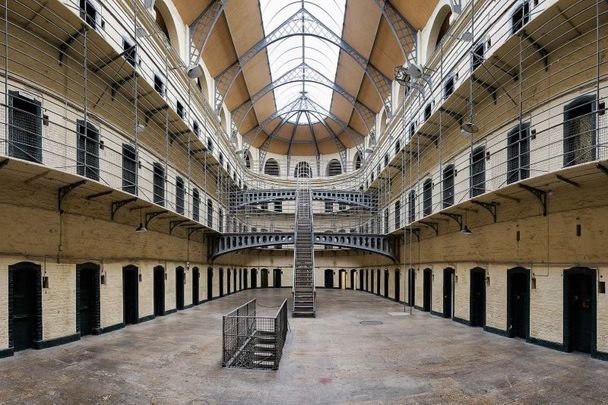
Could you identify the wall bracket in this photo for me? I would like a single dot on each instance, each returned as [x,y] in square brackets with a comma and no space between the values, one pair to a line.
[538,193]
[491,207]
[64,191]
[116,205]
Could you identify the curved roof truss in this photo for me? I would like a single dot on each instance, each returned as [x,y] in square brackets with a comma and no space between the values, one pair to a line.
[304,72]
[302,23]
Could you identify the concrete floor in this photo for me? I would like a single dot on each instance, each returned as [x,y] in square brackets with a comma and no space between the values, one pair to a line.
[329,359]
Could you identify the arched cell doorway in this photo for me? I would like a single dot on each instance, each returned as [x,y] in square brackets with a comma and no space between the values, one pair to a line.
[196,276]
[478,297]
[411,287]
[87,298]
[159,290]
[276,278]
[361,274]
[25,305]
[254,278]
[130,291]
[427,289]
[448,292]
[264,278]
[329,279]
[342,279]
[518,302]
[386,282]
[397,285]
[209,283]
[180,280]
[221,282]
[580,310]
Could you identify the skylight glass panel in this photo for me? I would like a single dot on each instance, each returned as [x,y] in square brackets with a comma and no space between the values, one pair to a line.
[291,52]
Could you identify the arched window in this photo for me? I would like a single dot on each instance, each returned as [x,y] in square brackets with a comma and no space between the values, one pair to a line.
[209,213]
[179,195]
[196,202]
[358,160]
[411,202]
[427,195]
[302,170]
[248,160]
[166,24]
[441,25]
[518,153]
[129,169]
[160,21]
[448,186]
[397,214]
[159,184]
[478,171]
[579,131]
[334,168]
[271,167]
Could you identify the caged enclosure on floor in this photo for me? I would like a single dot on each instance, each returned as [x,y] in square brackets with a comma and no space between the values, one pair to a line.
[252,341]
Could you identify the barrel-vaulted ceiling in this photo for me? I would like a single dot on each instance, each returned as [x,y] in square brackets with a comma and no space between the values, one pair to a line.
[303,77]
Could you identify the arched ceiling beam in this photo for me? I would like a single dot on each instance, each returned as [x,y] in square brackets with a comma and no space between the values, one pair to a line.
[264,147]
[302,23]
[202,26]
[304,72]
[404,32]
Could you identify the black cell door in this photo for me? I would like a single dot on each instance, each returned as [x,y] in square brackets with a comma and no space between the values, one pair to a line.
[411,284]
[264,278]
[518,289]
[245,279]
[254,278]
[397,285]
[196,275]
[228,283]
[386,281]
[221,282]
[579,324]
[209,283]
[26,300]
[88,298]
[130,286]
[329,279]
[448,288]
[378,282]
[478,297]
[361,274]
[427,285]
[179,288]
[276,281]
[159,290]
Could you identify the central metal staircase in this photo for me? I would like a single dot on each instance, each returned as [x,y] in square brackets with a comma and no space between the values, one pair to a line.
[303,274]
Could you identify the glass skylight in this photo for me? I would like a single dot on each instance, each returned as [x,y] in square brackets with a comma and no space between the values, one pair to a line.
[291,52]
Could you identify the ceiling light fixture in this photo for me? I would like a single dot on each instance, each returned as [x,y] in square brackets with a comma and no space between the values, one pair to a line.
[141,228]
[402,76]
[469,128]
[139,128]
[194,72]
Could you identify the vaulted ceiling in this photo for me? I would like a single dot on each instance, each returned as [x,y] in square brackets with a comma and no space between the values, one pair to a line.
[304,77]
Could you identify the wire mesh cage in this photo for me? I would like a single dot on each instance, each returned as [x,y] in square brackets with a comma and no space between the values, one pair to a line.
[251,341]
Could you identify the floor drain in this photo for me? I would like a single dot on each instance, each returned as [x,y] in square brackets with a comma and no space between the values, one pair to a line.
[371,322]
